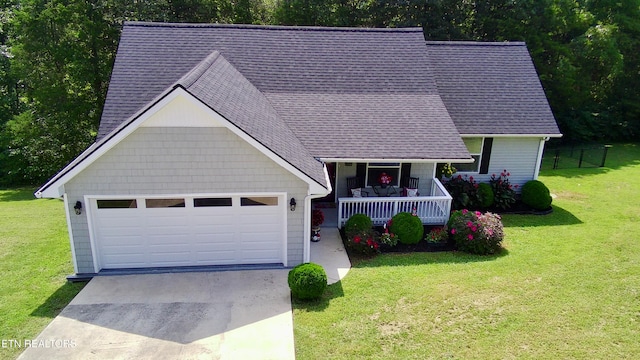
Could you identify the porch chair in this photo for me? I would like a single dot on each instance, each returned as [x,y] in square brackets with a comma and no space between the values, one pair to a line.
[410,183]
[355,182]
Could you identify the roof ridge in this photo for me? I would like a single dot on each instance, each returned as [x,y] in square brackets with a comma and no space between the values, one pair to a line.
[270,27]
[476,43]
[200,69]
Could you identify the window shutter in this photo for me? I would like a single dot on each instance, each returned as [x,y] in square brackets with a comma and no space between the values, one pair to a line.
[405,173]
[361,173]
[486,155]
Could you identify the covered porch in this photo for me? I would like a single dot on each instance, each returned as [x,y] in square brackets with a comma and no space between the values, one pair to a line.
[432,209]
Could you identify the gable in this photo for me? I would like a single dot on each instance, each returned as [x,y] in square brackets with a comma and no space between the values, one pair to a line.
[161,113]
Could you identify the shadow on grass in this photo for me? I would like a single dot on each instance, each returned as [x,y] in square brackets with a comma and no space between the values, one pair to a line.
[58,300]
[333,291]
[559,217]
[423,258]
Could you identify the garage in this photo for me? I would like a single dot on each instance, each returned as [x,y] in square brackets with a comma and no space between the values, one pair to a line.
[173,231]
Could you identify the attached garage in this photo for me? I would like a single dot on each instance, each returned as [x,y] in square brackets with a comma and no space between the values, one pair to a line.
[171,231]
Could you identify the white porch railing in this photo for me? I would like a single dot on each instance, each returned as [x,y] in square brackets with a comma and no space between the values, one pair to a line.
[432,210]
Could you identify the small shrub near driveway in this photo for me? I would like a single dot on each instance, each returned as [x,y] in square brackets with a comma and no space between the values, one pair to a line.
[476,233]
[407,227]
[307,281]
[536,194]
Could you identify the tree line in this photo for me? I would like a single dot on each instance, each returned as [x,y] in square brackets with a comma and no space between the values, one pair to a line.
[56,58]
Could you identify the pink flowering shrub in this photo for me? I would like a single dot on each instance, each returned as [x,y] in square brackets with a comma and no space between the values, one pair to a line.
[360,235]
[504,194]
[476,232]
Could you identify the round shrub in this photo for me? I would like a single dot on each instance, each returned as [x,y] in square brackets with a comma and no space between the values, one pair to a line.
[536,194]
[477,233]
[407,227]
[485,195]
[357,223]
[307,281]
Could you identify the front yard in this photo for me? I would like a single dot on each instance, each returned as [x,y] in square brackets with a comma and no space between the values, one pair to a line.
[34,262]
[567,286]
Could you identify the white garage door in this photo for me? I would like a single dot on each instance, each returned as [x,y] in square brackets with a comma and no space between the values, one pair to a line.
[189,231]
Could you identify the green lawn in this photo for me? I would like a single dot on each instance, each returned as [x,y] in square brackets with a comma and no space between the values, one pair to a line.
[34,261]
[567,286]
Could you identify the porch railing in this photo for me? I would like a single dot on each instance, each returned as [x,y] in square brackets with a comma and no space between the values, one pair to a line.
[432,210]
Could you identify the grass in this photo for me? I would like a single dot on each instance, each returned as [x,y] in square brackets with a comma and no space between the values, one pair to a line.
[566,286]
[34,261]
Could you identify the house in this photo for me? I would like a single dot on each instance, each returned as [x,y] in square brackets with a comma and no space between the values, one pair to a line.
[215,139]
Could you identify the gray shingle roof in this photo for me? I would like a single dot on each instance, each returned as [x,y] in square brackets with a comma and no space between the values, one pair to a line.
[491,88]
[343,92]
[221,87]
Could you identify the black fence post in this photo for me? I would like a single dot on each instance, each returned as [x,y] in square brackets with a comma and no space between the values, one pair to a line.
[556,159]
[604,154]
[581,157]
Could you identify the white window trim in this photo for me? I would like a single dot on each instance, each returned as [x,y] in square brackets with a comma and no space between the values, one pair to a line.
[477,171]
[369,165]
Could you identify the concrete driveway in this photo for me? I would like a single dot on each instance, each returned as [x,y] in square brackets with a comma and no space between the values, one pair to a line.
[209,315]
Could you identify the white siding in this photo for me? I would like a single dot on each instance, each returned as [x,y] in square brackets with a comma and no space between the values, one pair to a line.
[168,160]
[516,155]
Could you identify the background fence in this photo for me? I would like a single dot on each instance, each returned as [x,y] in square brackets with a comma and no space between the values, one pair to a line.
[575,156]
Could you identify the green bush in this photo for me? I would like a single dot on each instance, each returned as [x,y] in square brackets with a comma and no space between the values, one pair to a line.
[357,223]
[407,227]
[536,194]
[464,191]
[307,281]
[485,195]
[476,233]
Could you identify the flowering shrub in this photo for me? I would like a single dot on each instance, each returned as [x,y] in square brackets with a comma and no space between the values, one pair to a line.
[464,191]
[364,242]
[387,238]
[475,232]
[503,192]
[438,235]
[360,234]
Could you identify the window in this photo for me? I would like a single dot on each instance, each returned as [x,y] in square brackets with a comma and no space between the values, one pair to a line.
[211,202]
[259,201]
[375,169]
[164,203]
[117,204]
[474,146]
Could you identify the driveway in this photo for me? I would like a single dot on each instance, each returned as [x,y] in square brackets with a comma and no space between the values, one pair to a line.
[210,315]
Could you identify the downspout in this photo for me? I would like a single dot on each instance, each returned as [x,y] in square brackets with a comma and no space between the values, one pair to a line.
[536,171]
[306,256]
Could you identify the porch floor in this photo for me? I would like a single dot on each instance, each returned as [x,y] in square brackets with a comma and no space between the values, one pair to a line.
[330,211]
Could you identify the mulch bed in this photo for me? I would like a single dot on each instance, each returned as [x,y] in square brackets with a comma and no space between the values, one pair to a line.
[518,208]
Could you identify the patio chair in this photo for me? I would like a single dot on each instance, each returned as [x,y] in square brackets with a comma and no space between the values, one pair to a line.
[355,182]
[410,183]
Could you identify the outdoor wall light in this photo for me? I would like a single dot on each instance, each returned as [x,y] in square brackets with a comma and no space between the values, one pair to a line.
[292,204]
[78,208]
